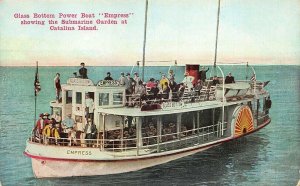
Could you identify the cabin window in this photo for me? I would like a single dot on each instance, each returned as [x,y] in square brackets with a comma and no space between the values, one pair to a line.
[68,96]
[78,97]
[117,98]
[103,99]
[56,111]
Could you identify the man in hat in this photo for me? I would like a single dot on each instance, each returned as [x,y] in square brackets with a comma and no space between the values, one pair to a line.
[83,71]
[122,79]
[46,118]
[90,130]
[108,76]
[202,74]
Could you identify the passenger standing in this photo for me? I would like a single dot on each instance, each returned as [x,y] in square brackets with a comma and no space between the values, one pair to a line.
[173,85]
[137,80]
[90,130]
[108,77]
[122,79]
[229,79]
[128,84]
[89,105]
[83,71]
[202,74]
[57,87]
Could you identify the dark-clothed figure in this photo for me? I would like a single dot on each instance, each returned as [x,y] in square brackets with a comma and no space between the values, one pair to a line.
[229,79]
[90,130]
[173,85]
[108,77]
[202,74]
[215,81]
[129,84]
[57,86]
[39,126]
[83,71]
[154,90]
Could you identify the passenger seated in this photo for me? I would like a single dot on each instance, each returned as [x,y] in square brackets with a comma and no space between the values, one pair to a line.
[166,91]
[150,84]
[163,81]
[55,133]
[215,81]
[47,132]
[139,94]
[198,87]
[188,81]
[90,130]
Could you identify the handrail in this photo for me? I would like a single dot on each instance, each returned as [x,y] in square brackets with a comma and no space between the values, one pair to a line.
[127,144]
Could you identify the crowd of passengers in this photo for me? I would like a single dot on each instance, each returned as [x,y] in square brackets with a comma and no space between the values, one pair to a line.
[164,88]
[52,130]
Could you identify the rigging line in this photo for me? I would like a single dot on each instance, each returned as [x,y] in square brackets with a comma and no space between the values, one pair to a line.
[159,61]
[232,63]
[145,36]
[217,31]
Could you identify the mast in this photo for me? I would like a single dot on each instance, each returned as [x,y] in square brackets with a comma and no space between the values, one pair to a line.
[144,43]
[217,32]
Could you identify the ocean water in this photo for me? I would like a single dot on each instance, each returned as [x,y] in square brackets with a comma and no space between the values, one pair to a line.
[270,156]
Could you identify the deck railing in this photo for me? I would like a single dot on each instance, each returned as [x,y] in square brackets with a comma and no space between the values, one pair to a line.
[148,144]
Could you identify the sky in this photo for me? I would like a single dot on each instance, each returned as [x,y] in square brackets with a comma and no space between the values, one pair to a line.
[254,31]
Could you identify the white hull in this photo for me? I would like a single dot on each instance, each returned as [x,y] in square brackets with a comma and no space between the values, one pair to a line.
[61,168]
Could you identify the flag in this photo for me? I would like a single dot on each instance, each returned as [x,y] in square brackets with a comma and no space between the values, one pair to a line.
[37,86]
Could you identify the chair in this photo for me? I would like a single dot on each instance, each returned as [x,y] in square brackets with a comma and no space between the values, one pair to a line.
[204,93]
[212,93]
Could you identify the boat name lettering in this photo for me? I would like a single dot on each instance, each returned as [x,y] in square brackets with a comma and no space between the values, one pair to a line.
[79,152]
[103,83]
[166,105]
[79,81]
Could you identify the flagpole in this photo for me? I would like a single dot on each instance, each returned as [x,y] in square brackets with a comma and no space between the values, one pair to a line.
[35,93]
[144,43]
[217,33]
